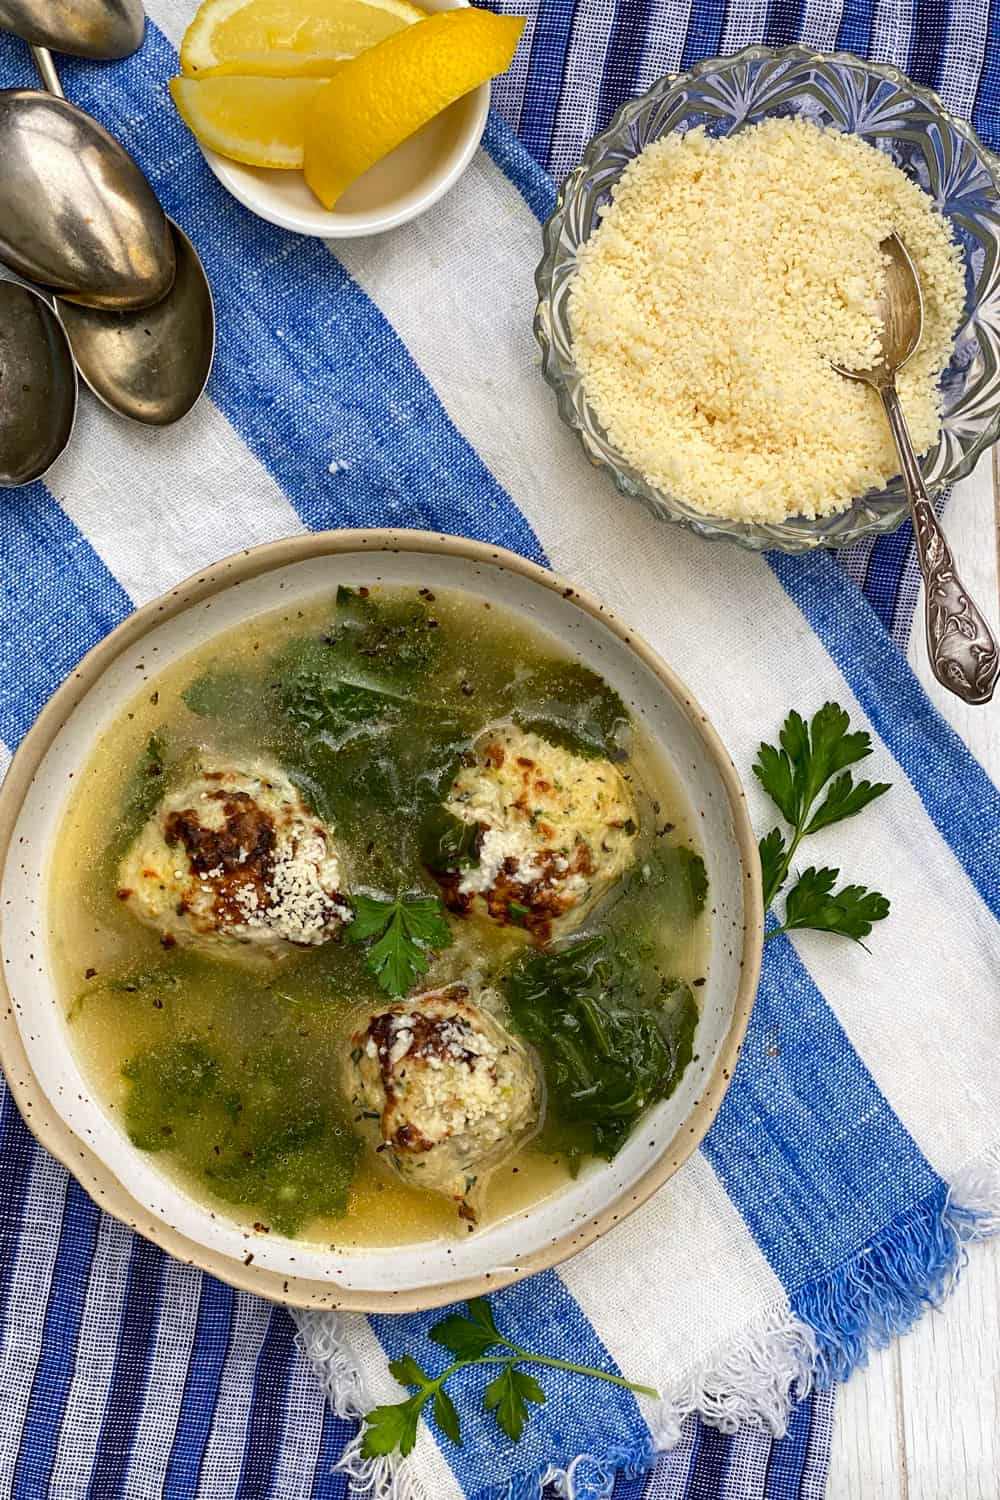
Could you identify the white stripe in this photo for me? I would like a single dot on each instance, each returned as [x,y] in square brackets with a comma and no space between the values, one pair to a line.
[666,34]
[579,96]
[27,1299]
[170,1357]
[665,39]
[744,25]
[747,652]
[96,1347]
[194,493]
[712,1296]
[5,760]
[821,22]
[295,1460]
[964,50]
[748,1463]
[891,30]
[223,1460]
[436,1478]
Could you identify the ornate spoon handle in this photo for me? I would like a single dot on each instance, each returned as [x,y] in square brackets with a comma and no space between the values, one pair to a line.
[961,646]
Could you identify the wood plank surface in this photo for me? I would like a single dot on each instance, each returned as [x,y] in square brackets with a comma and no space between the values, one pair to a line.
[922,1422]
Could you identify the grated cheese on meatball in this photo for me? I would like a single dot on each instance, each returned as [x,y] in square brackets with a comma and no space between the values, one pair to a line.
[234,857]
[556,830]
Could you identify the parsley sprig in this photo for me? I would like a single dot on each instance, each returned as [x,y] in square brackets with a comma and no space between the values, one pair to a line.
[401,931]
[470,1339]
[813,758]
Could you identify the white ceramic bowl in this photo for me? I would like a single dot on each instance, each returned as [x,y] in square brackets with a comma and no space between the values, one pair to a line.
[396,189]
[34,1046]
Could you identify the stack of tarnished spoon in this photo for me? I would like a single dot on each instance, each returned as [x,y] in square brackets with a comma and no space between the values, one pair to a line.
[107,284]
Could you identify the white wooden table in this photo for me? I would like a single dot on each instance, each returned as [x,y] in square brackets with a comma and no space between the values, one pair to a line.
[922,1422]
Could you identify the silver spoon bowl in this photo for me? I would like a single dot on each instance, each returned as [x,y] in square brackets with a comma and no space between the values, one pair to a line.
[77,216]
[962,649]
[100,29]
[37,385]
[149,365]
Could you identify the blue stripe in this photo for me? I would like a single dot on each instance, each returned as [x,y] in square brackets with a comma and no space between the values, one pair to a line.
[704,34]
[546,66]
[201,1391]
[136,1341]
[927,43]
[535,186]
[707,1477]
[631,1486]
[788,1457]
[334,1438]
[855,32]
[771,1141]
[784,22]
[541,1314]
[59,1344]
[986,110]
[959,797]
[626,47]
[885,569]
[267,1408]
[56,601]
[17,1151]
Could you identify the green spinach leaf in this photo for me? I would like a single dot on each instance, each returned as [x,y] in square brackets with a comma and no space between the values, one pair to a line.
[571,706]
[613,1036]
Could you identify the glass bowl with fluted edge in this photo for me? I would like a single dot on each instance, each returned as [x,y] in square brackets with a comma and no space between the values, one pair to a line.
[884,107]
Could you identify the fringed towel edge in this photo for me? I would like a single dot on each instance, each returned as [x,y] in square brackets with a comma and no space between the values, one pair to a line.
[823,1334]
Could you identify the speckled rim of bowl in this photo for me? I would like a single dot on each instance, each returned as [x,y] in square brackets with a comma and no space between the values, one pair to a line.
[755,536]
[89,1169]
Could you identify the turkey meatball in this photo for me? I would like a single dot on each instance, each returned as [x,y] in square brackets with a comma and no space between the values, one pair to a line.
[233,860]
[448,1091]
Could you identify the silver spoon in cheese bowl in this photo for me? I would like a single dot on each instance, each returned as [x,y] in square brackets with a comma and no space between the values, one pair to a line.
[961,646]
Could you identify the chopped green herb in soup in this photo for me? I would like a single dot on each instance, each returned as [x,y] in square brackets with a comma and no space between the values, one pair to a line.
[379,918]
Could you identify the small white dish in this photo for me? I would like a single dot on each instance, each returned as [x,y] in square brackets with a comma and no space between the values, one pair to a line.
[395,190]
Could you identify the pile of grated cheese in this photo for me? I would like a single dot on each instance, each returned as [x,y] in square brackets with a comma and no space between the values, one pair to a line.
[723,278]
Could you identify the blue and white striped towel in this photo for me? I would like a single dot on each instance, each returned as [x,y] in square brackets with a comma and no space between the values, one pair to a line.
[818,1217]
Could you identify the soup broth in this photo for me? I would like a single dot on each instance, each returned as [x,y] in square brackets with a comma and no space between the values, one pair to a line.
[386,711]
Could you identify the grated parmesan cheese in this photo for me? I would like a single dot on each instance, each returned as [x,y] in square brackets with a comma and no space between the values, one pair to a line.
[723,279]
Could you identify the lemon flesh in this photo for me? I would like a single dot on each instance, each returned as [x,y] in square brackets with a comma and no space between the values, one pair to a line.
[379,99]
[292,35]
[261,121]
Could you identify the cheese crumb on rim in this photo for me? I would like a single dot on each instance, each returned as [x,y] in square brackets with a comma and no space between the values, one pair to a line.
[723,279]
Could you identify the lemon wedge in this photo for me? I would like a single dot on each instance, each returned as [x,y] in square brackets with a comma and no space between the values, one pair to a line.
[379,99]
[261,121]
[287,38]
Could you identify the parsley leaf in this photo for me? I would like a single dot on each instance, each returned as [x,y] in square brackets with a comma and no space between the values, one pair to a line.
[467,1338]
[405,929]
[809,758]
[508,1396]
[844,797]
[446,1417]
[408,1372]
[392,1428]
[773,864]
[850,911]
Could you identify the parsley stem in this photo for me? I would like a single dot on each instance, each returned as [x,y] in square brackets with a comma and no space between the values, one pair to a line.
[565,1364]
[525,1356]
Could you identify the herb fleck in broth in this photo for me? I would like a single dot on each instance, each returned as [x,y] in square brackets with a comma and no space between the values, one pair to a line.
[231,1065]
